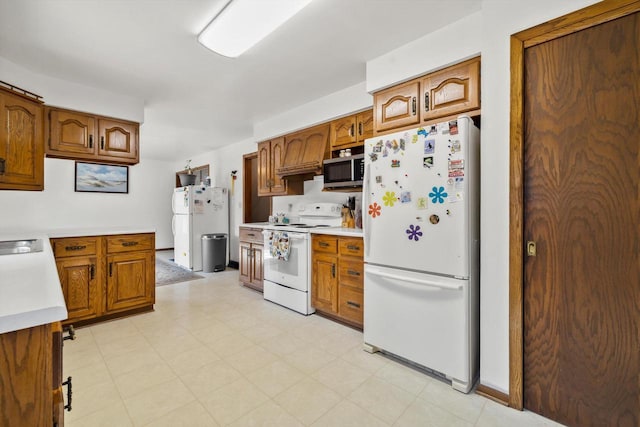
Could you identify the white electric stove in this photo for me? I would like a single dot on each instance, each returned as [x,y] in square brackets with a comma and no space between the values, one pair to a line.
[288,282]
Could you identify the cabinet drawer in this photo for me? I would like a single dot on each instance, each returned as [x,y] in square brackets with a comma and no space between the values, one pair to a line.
[130,242]
[74,246]
[351,304]
[325,244]
[351,247]
[251,235]
[351,273]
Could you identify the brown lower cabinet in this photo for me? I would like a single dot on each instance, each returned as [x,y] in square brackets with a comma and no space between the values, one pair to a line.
[105,275]
[31,377]
[251,245]
[338,277]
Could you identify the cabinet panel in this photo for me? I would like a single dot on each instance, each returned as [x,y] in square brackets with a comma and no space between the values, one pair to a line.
[453,90]
[351,246]
[130,242]
[252,235]
[21,143]
[257,264]
[351,304]
[130,280]
[264,168]
[118,139]
[397,106]
[343,132]
[351,272]
[71,132]
[325,244]
[74,246]
[364,125]
[305,151]
[324,289]
[278,184]
[245,262]
[78,277]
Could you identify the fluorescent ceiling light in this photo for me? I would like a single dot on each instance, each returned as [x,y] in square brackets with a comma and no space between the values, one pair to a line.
[243,23]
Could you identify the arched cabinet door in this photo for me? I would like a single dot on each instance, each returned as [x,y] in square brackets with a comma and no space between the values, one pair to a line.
[453,90]
[118,139]
[397,106]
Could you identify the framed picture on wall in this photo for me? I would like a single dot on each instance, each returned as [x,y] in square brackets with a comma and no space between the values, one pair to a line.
[97,178]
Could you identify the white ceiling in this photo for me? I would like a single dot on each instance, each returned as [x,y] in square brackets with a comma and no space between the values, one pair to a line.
[196,100]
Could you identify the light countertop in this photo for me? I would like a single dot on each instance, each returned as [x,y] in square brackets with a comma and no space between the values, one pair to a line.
[30,291]
[336,231]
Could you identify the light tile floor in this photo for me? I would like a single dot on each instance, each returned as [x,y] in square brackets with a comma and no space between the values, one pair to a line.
[214,354]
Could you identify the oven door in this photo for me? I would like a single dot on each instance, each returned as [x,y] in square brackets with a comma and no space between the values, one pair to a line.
[292,273]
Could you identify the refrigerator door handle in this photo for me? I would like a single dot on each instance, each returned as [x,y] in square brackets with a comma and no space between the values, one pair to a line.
[429,283]
[365,213]
[173,225]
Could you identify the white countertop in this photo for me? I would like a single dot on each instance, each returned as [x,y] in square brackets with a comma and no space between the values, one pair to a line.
[30,291]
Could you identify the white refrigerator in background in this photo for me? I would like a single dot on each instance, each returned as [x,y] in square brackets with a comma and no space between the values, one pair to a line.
[197,210]
[421,237]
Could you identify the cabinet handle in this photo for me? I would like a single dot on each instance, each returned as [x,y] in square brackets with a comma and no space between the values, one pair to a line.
[90,141]
[353,247]
[251,234]
[323,244]
[127,244]
[413,106]
[71,331]
[69,393]
[333,270]
[426,101]
[351,130]
[75,247]
[353,304]
[102,142]
[360,128]
[92,271]
[2,165]
[353,273]
[110,269]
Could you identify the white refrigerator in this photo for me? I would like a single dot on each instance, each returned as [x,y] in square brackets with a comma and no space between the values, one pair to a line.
[421,238]
[197,210]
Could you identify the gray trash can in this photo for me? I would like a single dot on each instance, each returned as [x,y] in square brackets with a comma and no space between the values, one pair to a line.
[214,252]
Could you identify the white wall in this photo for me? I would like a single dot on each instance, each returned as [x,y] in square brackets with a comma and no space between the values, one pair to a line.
[58,206]
[487,32]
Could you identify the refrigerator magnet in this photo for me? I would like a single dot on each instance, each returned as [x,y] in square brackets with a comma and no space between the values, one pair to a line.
[379,179]
[385,152]
[455,146]
[427,162]
[421,131]
[429,146]
[414,139]
[405,197]
[395,163]
[402,144]
[433,130]
[453,127]
[378,147]
[414,232]
[373,157]
[421,203]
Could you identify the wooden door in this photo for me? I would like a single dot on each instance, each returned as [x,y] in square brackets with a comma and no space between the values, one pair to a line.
[245,262]
[21,143]
[581,208]
[451,91]
[256,266]
[79,281]
[278,185]
[130,280]
[343,132]
[264,168]
[397,107]
[118,139]
[364,125]
[71,132]
[324,287]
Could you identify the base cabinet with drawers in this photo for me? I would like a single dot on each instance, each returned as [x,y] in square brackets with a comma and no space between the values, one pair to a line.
[338,277]
[105,275]
[251,246]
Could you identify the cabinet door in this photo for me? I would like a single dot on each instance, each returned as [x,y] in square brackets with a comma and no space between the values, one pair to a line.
[324,286]
[364,125]
[278,185]
[351,305]
[397,106]
[264,168]
[21,143]
[343,132]
[130,280]
[78,277]
[451,91]
[256,265]
[71,132]
[245,262]
[118,140]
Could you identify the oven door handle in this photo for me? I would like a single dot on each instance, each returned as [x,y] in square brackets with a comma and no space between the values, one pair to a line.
[292,235]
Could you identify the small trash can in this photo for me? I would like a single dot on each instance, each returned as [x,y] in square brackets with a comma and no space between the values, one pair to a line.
[214,252]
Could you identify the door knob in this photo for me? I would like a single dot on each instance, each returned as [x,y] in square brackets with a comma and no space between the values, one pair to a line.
[531,248]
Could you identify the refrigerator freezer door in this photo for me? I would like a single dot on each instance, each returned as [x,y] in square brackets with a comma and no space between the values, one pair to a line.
[416,200]
[422,318]
[181,202]
[182,241]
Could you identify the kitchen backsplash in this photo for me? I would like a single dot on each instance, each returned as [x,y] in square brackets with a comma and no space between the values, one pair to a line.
[312,194]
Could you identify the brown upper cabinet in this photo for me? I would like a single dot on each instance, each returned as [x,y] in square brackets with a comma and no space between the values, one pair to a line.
[453,90]
[439,95]
[270,158]
[304,151]
[352,130]
[82,136]
[21,142]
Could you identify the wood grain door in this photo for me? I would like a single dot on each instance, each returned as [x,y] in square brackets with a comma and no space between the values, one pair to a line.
[130,280]
[71,132]
[245,262]
[397,106]
[324,286]
[581,208]
[118,139]
[265,173]
[256,266]
[78,277]
[278,185]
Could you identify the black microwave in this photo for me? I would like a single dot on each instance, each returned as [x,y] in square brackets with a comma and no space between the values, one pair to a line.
[344,172]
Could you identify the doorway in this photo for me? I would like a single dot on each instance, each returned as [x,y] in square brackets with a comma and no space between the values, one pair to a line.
[256,209]
[574,267]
